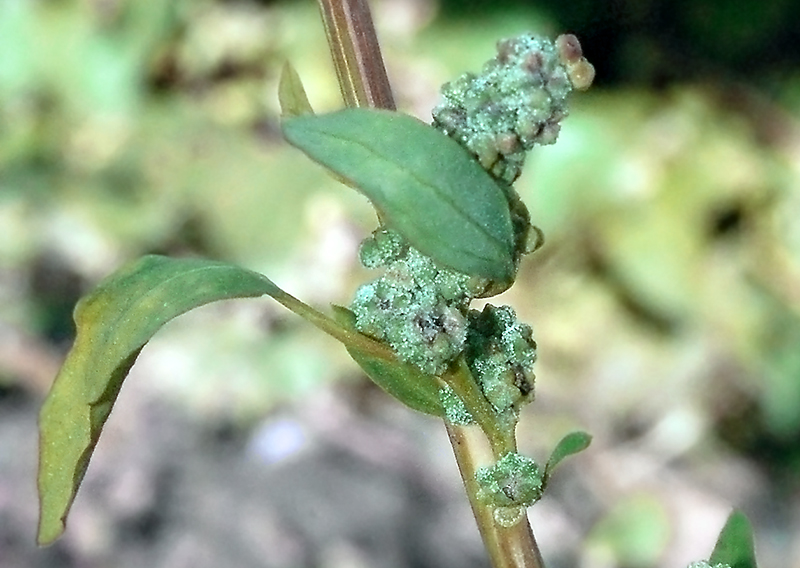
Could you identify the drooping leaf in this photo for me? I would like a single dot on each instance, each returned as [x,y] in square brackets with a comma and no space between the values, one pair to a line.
[114,323]
[735,543]
[423,184]
[570,444]
[291,94]
[403,381]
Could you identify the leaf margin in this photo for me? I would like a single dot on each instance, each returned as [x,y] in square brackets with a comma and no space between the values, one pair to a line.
[735,546]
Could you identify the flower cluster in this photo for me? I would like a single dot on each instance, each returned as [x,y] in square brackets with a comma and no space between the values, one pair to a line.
[417,307]
[421,309]
[500,352]
[516,102]
[514,480]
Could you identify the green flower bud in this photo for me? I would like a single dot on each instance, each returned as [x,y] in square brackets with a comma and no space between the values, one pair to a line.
[417,307]
[381,248]
[513,481]
[500,352]
[516,102]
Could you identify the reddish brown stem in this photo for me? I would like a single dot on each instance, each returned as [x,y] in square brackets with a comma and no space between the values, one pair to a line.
[356,54]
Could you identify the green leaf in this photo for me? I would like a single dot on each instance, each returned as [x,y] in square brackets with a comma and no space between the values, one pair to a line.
[423,184]
[403,381]
[114,323]
[570,444]
[291,94]
[735,543]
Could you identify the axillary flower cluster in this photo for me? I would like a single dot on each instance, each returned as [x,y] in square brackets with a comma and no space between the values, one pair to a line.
[422,309]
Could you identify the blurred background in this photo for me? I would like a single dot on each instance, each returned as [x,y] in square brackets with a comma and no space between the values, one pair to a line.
[666,302]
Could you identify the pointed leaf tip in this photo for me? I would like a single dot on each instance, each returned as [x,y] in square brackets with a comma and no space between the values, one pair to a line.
[291,94]
[423,184]
[735,546]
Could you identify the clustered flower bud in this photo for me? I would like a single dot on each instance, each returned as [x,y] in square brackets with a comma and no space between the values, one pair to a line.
[417,307]
[704,564]
[421,309]
[500,352]
[513,480]
[516,102]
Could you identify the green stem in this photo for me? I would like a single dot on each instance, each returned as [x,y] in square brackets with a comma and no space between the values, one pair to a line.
[326,324]
[507,547]
[500,436]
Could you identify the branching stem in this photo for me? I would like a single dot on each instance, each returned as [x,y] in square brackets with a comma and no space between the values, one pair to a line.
[363,81]
[507,547]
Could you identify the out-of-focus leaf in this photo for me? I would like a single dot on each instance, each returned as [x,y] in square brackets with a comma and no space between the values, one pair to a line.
[570,444]
[423,184]
[735,543]
[634,533]
[291,94]
[17,44]
[403,381]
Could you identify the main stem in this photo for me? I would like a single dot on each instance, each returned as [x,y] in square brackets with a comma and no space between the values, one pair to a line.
[363,81]
[356,54]
[508,547]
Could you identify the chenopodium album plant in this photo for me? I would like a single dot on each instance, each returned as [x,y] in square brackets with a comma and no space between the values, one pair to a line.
[451,229]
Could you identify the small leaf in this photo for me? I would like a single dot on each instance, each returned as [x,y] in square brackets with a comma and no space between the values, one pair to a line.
[291,94]
[735,543]
[403,381]
[423,184]
[570,444]
[114,323]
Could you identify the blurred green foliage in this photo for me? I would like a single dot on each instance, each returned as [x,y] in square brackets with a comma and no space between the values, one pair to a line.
[633,535]
[669,281]
[131,127]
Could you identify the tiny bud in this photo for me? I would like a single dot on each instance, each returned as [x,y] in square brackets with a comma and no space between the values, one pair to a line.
[513,481]
[581,74]
[549,133]
[533,63]
[527,128]
[449,120]
[569,48]
[534,240]
[505,49]
[487,156]
[507,143]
